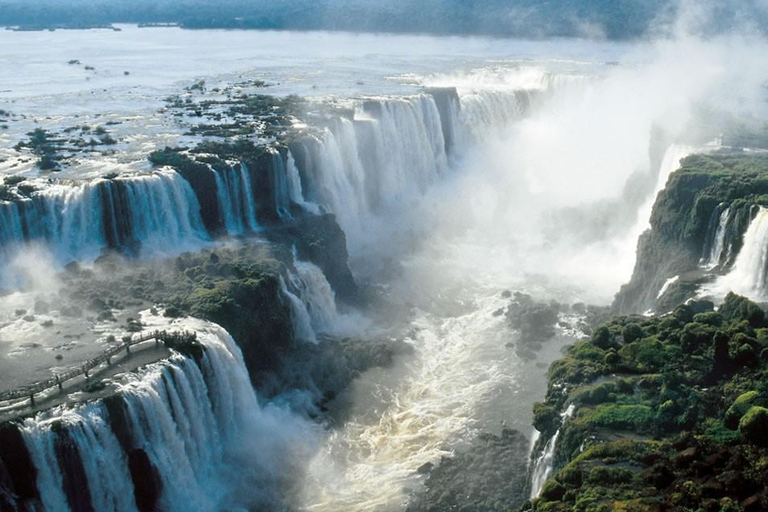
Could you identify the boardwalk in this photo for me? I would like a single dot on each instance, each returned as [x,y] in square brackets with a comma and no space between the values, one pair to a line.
[106,357]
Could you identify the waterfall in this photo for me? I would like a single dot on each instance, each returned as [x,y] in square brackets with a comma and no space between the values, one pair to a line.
[234,191]
[370,165]
[716,238]
[316,294]
[544,465]
[381,159]
[163,210]
[749,275]
[78,441]
[669,164]
[197,425]
[283,187]
[302,320]
[295,189]
[485,112]
[669,282]
[76,221]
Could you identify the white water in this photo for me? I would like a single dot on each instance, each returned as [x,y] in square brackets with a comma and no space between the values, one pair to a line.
[302,321]
[202,427]
[74,222]
[384,158]
[669,164]
[669,282]
[402,417]
[295,189]
[236,200]
[543,467]
[317,295]
[712,260]
[749,275]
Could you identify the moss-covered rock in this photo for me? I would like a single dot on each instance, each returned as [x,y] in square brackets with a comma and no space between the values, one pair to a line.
[753,426]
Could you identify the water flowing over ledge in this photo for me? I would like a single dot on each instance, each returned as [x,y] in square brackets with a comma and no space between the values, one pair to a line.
[364,168]
[170,438]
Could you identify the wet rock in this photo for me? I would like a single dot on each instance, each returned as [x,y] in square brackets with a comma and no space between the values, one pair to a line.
[147,484]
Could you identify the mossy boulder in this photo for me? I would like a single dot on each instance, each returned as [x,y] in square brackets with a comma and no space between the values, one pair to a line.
[753,426]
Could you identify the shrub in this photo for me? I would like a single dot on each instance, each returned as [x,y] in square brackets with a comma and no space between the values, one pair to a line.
[545,417]
[754,426]
[740,407]
[709,318]
[736,308]
[632,332]
[606,476]
[603,337]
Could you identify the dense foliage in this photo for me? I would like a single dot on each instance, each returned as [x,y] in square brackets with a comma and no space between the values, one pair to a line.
[669,413]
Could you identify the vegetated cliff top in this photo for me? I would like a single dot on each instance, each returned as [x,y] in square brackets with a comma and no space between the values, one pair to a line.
[626,19]
[681,223]
[670,413]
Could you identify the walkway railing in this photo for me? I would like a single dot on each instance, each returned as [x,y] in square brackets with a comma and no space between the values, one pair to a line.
[58,380]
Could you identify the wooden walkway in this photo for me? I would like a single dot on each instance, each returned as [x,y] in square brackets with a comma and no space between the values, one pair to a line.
[59,379]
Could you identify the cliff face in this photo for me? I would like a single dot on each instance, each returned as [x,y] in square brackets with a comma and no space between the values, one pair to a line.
[684,223]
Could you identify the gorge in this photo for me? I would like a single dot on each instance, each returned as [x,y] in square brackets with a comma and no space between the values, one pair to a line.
[372,247]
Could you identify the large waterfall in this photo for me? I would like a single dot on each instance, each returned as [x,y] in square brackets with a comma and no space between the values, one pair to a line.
[370,168]
[362,168]
[384,157]
[187,434]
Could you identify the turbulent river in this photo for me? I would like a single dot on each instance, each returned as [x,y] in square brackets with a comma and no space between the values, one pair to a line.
[518,182]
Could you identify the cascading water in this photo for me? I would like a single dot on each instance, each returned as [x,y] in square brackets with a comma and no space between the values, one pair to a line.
[749,275]
[76,222]
[385,157]
[316,294]
[375,165]
[544,465]
[669,164]
[379,162]
[284,186]
[295,190]
[716,242]
[302,321]
[236,200]
[198,424]
[483,112]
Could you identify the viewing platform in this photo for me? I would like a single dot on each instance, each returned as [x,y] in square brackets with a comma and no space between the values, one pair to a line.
[132,352]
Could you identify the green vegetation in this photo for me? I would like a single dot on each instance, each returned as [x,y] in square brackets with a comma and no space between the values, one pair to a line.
[670,413]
